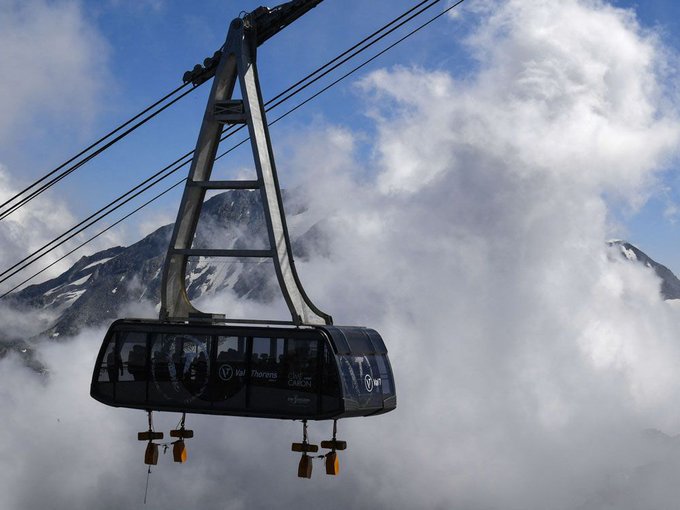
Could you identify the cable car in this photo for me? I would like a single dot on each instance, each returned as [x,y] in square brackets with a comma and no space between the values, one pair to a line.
[299,373]
[189,361]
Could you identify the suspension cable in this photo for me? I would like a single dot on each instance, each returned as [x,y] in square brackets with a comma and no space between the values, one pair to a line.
[432,4]
[80,163]
[309,79]
[88,222]
[365,39]
[98,234]
[180,163]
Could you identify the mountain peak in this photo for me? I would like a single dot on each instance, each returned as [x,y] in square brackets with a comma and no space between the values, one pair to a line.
[670,285]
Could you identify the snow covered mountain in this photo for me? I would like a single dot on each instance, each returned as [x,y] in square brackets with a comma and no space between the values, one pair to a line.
[95,289]
[670,285]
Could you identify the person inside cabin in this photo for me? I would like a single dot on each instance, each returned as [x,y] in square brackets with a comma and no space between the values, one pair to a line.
[199,372]
[112,367]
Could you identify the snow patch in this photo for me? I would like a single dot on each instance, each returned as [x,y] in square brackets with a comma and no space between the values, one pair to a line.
[628,253]
[70,297]
[80,281]
[97,263]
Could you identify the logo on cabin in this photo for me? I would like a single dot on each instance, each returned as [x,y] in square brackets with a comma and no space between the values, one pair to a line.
[371,383]
[296,400]
[299,380]
[225,372]
[368,382]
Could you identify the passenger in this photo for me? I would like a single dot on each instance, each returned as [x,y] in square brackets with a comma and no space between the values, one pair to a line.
[189,359]
[178,365]
[161,366]
[137,363]
[199,370]
[112,367]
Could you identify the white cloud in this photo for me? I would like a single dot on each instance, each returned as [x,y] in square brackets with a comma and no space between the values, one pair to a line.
[53,62]
[54,65]
[31,227]
[151,222]
[44,220]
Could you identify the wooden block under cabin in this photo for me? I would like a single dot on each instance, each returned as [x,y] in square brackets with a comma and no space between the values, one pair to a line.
[179,451]
[149,436]
[332,464]
[182,433]
[334,445]
[304,447]
[151,454]
[305,467]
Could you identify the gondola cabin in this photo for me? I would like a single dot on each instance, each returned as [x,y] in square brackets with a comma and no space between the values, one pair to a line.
[308,373]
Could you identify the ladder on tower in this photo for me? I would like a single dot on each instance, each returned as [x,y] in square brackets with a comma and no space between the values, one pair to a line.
[237,62]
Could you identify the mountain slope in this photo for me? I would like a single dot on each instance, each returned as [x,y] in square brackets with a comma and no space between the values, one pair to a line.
[670,284]
[94,290]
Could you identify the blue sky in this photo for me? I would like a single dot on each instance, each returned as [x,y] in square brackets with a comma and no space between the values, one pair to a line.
[143,48]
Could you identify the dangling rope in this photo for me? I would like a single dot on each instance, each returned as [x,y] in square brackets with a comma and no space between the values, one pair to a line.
[148,473]
[146,491]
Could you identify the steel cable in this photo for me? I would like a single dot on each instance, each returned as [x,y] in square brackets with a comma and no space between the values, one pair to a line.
[69,170]
[181,164]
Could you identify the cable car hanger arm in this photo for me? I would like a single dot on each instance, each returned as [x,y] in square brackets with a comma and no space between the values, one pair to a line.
[264,23]
[237,63]
[268,22]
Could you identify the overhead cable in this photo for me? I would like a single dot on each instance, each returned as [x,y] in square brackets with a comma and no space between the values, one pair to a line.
[89,240]
[309,79]
[60,175]
[116,204]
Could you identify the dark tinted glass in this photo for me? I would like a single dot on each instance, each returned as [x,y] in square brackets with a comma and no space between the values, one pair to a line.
[302,358]
[108,370]
[131,364]
[361,381]
[359,342]
[284,376]
[266,373]
[330,381]
[385,376]
[228,387]
[180,369]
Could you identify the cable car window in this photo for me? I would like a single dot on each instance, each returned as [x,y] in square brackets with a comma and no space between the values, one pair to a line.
[330,381]
[229,379]
[180,368]
[131,362]
[265,368]
[361,381]
[108,370]
[385,376]
[358,341]
[302,364]
[301,369]
[265,373]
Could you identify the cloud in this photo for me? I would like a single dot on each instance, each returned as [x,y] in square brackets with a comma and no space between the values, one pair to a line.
[31,227]
[43,219]
[54,64]
[529,361]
